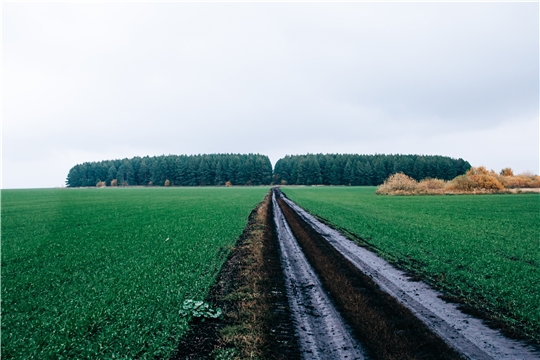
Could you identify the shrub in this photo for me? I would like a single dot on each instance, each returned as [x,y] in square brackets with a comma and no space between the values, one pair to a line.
[462,183]
[520,181]
[487,181]
[507,172]
[476,178]
[398,182]
[149,183]
[114,182]
[167,183]
[124,183]
[228,183]
[428,185]
[481,170]
[101,184]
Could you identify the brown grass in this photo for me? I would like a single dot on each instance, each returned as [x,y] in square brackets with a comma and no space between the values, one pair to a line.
[385,327]
[521,182]
[256,326]
[398,183]
[251,291]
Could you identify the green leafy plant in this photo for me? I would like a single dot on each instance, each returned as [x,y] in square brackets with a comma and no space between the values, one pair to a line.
[199,309]
[225,354]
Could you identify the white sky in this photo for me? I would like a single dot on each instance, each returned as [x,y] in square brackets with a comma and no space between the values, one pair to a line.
[95,81]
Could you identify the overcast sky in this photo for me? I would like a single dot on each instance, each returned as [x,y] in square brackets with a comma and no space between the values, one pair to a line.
[96,81]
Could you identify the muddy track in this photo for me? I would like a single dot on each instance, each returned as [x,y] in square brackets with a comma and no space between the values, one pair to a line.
[393,317]
[250,288]
[322,332]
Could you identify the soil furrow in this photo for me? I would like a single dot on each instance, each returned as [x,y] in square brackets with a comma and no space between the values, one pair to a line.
[462,332]
[321,330]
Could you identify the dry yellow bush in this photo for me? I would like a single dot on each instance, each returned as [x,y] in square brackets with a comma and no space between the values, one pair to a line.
[476,180]
[462,183]
[114,182]
[167,183]
[520,181]
[481,170]
[428,185]
[507,172]
[397,183]
[487,181]
[101,184]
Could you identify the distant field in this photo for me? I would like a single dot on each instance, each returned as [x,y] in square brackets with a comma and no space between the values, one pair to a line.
[485,248]
[101,273]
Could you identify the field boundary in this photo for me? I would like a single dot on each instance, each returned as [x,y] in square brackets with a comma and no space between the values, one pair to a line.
[250,289]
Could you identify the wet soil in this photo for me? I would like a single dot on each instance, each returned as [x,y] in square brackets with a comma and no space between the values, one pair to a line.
[386,328]
[322,331]
[459,330]
[250,289]
[294,288]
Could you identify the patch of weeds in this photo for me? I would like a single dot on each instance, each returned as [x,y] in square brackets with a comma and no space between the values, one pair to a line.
[225,354]
[200,309]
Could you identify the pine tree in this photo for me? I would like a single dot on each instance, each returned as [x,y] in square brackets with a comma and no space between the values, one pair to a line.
[111,174]
[218,179]
[335,178]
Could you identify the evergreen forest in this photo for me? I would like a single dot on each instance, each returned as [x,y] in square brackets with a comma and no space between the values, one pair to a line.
[256,169]
[352,169]
[179,170]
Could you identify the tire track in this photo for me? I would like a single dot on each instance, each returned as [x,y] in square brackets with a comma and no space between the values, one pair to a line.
[322,332]
[464,333]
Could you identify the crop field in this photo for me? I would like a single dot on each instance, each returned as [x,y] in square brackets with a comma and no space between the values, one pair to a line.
[484,248]
[102,273]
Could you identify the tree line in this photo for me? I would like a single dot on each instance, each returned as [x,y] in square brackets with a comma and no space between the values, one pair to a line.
[353,169]
[179,170]
[256,169]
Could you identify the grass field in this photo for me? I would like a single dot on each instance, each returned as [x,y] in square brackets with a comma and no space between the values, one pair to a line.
[485,248]
[102,273]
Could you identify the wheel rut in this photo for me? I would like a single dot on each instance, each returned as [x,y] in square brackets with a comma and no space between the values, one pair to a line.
[349,303]
[322,332]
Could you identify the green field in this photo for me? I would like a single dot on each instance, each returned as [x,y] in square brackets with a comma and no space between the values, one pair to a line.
[102,273]
[485,248]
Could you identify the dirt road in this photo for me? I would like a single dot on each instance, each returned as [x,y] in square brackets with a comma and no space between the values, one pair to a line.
[322,332]
[395,302]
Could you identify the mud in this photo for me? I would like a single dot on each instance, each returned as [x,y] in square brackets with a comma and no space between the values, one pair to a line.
[386,328]
[250,288]
[322,332]
[462,332]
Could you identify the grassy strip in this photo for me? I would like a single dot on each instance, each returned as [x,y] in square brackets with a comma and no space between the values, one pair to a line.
[385,327]
[482,249]
[102,273]
[250,289]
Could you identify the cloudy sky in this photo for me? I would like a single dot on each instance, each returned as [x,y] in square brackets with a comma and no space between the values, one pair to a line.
[94,81]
